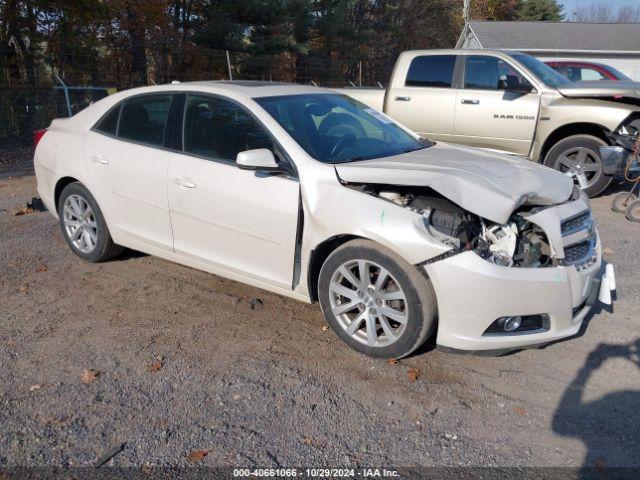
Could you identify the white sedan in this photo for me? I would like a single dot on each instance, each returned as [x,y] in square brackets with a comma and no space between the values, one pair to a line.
[310,194]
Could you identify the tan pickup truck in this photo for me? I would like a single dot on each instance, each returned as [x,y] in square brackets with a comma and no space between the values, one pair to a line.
[511,102]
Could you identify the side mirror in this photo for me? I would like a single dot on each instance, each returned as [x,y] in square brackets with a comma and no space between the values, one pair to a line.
[260,159]
[511,83]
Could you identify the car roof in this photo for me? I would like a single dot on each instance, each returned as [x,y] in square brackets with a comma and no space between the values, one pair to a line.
[248,88]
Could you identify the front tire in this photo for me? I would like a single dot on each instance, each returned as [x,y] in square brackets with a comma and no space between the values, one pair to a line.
[375,301]
[580,156]
[83,225]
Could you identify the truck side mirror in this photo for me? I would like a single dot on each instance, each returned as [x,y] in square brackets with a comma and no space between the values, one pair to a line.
[511,83]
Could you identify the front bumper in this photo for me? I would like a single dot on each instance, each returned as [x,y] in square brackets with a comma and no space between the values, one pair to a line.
[615,160]
[472,293]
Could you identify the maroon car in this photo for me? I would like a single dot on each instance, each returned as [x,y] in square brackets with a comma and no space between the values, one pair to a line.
[577,71]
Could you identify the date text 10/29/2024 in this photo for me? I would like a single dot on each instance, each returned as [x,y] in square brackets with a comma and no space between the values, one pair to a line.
[316,472]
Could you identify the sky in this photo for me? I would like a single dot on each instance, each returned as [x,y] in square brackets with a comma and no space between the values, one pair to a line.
[571,5]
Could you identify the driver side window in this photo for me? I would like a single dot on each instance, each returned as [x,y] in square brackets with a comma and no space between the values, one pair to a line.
[220,129]
[484,73]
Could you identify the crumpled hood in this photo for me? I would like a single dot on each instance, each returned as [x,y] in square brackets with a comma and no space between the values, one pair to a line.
[488,184]
[601,88]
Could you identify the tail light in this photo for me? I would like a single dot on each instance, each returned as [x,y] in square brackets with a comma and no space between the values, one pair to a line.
[37,136]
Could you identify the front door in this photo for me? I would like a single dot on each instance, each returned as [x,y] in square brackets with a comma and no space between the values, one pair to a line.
[238,220]
[490,117]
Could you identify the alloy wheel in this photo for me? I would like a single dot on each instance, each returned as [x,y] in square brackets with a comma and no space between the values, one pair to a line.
[368,303]
[580,163]
[80,223]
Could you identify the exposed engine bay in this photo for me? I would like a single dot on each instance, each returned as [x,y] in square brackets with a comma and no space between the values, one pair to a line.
[519,243]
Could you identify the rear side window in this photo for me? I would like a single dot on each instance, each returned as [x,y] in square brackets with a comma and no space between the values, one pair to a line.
[144,119]
[431,71]
[109,123]
[219,129]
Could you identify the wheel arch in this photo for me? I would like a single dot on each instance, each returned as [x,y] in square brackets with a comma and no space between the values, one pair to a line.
[318,256]
[570,129]
[60,184]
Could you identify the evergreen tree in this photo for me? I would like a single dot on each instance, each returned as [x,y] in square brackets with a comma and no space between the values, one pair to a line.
[540,10]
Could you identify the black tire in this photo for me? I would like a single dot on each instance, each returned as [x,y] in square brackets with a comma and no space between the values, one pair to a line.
[421,306]
[621,200]
[104,248]
[633,211]
[592,144]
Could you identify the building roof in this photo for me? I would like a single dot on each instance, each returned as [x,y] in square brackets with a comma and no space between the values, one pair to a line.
[555,36]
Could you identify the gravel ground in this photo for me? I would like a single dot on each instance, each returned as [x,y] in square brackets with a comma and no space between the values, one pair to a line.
[192,362]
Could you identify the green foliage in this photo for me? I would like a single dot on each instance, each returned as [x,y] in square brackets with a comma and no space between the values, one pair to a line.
[540,10]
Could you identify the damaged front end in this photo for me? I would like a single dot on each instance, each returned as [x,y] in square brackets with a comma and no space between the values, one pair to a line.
[517,243]
[621,157]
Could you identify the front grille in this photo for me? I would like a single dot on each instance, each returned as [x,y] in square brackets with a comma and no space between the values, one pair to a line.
[581,254]
[582,221]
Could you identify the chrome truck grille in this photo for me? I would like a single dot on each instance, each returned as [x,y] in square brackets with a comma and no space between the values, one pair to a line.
[579,237]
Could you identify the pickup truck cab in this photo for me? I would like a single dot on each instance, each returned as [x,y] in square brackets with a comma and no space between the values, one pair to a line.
[511,102]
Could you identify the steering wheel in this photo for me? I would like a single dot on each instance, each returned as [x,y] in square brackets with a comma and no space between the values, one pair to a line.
[341,145]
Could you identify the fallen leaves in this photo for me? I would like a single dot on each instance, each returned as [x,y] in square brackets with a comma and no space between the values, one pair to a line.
[393,361]
[520,411]
[41,268]
[307,441]
[23,288]
[155,365]
[607,251]
[55,422]
[146,468]
[89,376]
[197,455]
[34,387]
[23,211]
[413,374]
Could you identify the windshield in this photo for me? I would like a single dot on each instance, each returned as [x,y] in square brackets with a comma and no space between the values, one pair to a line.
[544,72]
[335,128]
[617,73]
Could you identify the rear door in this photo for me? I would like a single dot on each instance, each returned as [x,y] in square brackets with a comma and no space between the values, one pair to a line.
[241,221]
[128,164]
[488,116]
[426,101]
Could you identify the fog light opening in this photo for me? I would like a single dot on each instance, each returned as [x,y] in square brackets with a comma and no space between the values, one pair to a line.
[519,324]
[510,324]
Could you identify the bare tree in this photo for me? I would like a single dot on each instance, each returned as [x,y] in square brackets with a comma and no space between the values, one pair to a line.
[603,13]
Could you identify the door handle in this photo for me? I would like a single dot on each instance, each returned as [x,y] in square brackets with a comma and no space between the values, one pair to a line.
[99,159]
[402,99]
[470,102]
[182,182]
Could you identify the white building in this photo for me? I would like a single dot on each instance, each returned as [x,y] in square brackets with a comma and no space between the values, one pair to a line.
[614,44]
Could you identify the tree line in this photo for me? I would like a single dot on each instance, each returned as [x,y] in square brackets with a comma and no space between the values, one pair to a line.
[134,42]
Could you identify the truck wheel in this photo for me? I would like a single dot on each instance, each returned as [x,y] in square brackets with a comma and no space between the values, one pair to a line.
[375,301]
[580,156]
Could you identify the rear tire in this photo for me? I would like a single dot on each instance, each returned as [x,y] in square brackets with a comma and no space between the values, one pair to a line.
[580,154]
[83,225]
[394,300]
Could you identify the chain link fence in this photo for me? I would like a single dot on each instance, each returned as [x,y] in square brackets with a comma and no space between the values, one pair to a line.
[29,105]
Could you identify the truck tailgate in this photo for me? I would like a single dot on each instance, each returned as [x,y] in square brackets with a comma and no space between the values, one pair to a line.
[373,97]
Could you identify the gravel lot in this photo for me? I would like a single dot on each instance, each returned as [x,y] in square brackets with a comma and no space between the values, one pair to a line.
[192,362]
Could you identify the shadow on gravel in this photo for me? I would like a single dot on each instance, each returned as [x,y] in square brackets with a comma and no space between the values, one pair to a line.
[607,426]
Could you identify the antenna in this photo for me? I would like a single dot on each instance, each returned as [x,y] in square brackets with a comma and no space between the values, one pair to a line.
[465,11]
